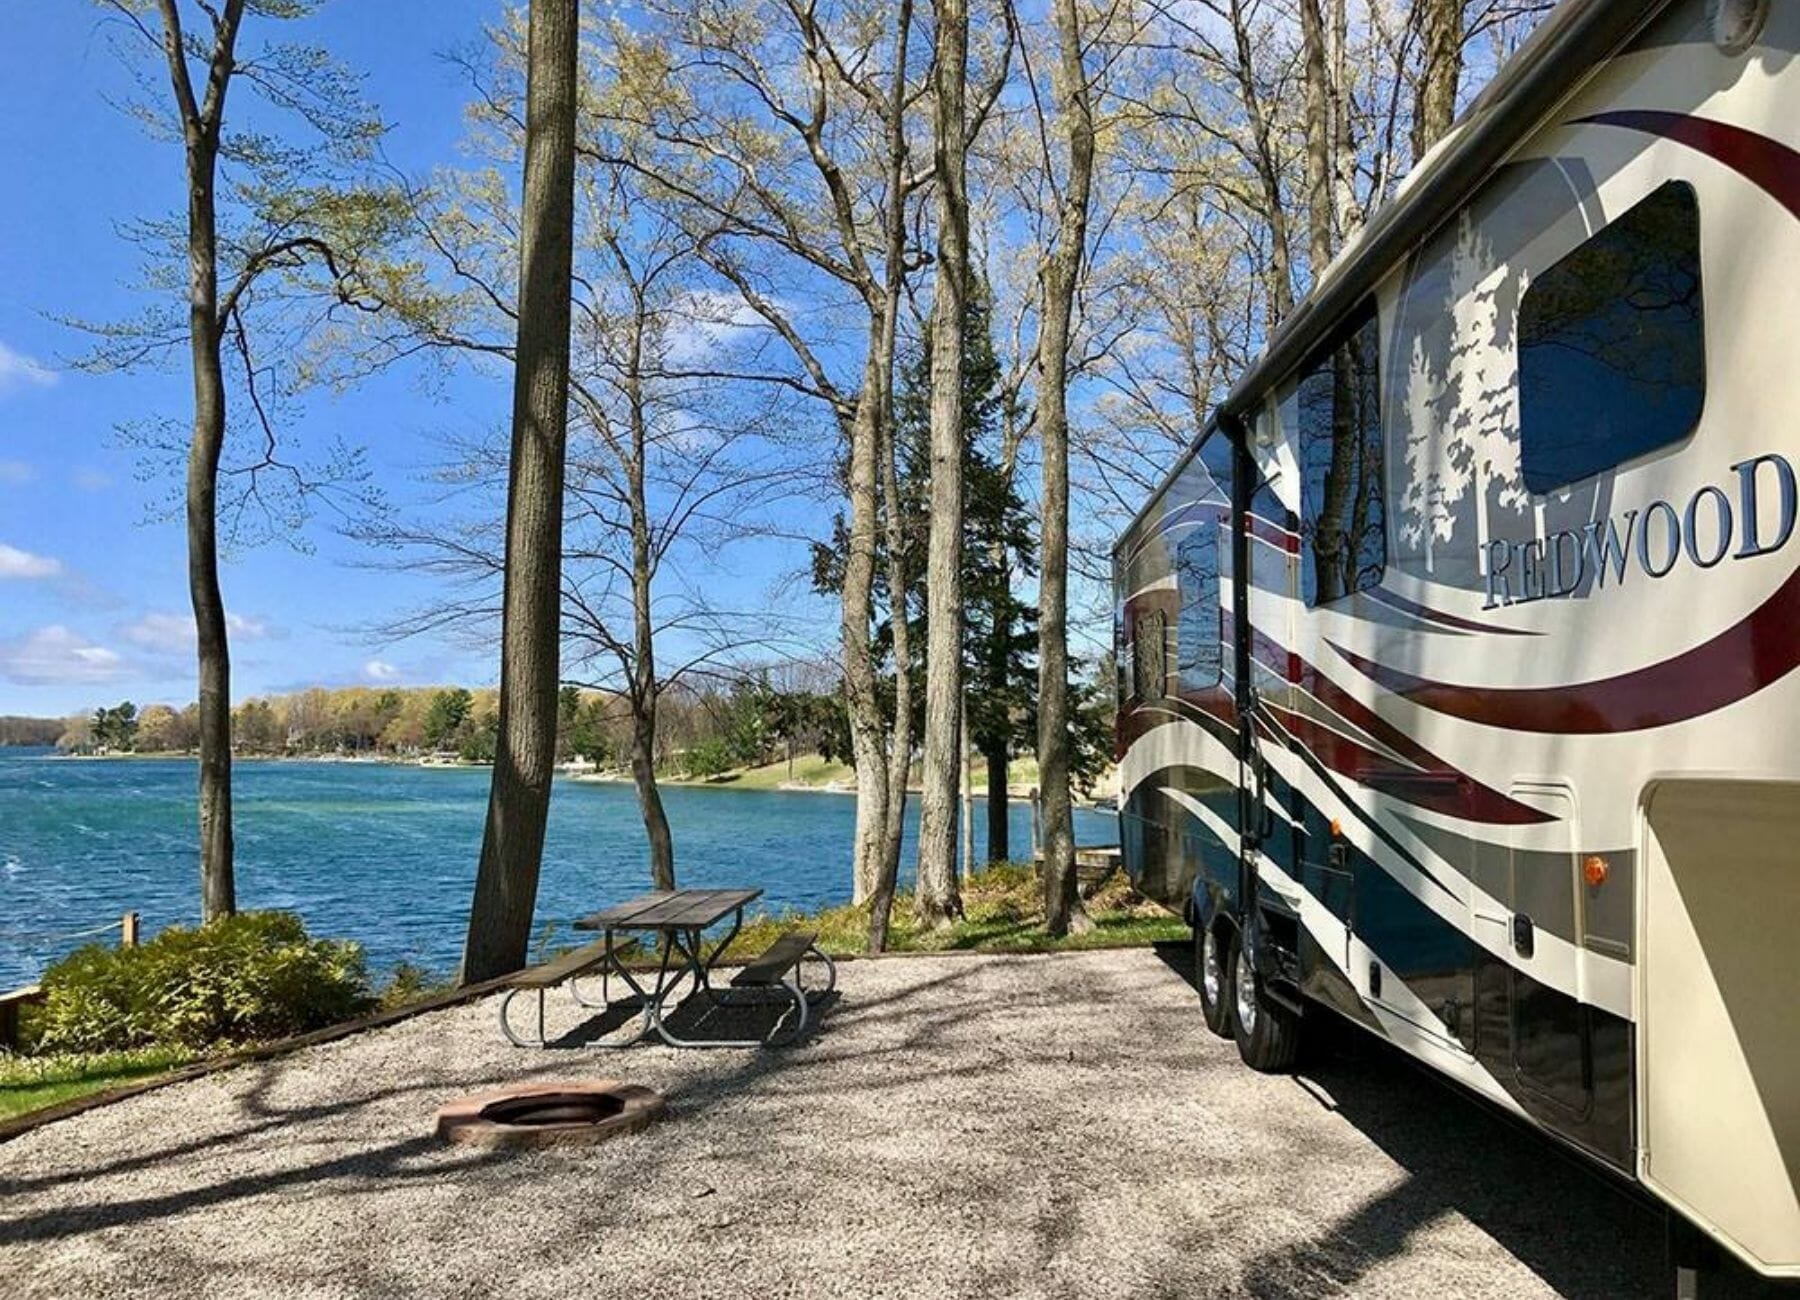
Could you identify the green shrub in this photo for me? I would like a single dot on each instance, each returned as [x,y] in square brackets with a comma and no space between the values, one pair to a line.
[410,983]
[708,758]
[249,977]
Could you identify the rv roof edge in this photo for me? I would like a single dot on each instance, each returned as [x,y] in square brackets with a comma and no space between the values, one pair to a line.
[1545,72]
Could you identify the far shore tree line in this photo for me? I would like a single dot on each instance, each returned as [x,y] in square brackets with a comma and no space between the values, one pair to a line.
[967,275]
[702,732]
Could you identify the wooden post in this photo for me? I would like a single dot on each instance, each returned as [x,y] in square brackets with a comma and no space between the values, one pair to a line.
[128,930]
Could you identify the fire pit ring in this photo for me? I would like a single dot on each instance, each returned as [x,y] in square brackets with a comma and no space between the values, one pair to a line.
[550,1114]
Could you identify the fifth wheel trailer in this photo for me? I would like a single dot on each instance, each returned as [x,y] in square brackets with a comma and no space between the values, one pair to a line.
[1457,689]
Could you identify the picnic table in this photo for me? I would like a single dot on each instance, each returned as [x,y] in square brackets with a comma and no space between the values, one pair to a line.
[679,919]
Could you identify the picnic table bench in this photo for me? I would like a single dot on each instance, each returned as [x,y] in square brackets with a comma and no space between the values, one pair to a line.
[679,918]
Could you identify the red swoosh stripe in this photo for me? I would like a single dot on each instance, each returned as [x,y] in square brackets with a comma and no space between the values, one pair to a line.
[1429,783]
[1769,164]
[1732,666]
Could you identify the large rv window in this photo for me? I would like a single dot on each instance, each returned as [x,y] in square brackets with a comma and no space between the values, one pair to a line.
[1197,636]
[1149,671]
[1612,357]
[1343,524]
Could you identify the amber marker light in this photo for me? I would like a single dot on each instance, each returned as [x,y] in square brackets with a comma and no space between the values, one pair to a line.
[1337,828]
[1595,870]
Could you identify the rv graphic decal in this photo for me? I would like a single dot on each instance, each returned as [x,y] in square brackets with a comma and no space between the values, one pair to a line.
[1542,850]
[1570,563]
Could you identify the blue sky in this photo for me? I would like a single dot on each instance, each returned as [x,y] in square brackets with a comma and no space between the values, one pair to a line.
[93,598]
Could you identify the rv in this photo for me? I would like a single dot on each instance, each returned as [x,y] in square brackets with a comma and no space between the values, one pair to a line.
[1457,689]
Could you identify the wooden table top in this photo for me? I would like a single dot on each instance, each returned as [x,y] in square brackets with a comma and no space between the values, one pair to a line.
[670,909]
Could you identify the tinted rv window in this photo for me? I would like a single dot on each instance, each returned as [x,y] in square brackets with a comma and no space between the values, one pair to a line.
[1197,578]
[1343,524]
[1612,360]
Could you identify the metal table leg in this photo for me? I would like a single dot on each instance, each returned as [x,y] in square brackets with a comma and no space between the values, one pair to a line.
[651,1000]
[701,971]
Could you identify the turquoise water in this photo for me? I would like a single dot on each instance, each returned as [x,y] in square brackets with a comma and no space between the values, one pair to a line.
[385,854]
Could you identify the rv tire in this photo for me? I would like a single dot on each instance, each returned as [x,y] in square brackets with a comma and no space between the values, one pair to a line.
[1267,1033]
[1212,974]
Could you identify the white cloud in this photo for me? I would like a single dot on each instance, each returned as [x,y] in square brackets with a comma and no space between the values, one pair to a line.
[163,632]
[55,655]
[91,480]
[20,371]
[172,633]
[710,322]
[16,471]
[15,563]
[379,670]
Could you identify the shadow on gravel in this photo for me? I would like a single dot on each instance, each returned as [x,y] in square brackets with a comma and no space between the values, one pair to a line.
[1178,956]
[394,1161]
[700,1022]
[1584,1233]
[418,1158]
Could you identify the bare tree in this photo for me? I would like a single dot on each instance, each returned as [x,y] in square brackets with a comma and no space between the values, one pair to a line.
[1062,270]
[270,225]
[832,214]
[788,139]
[519,800]
[673,454]
[881,896]
[938,899]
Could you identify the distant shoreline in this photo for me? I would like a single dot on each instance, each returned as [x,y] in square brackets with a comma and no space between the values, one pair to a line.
[583,776]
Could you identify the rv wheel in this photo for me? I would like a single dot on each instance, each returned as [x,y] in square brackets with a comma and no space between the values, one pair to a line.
[1268,1034]
[1210,944]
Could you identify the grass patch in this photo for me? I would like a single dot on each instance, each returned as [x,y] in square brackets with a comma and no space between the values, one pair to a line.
[810,772]
[1002,912]
[30,1083]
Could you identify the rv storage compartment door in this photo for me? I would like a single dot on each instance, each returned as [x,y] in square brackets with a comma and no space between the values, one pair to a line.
[1719,1031]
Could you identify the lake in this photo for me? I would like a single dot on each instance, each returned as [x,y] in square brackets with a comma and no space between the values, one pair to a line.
[385,854]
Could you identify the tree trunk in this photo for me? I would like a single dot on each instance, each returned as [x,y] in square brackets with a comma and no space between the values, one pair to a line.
[525,758]
[1319,139]
[900,757]
[1349,208]
[218,884]
[894,282]
[939,899]
[1280,277]
[1434,97]
[1062,270]
[650,804]
[201,121]
[967,801]
[999,663]
[645,688]
[999,843]
[862,699]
